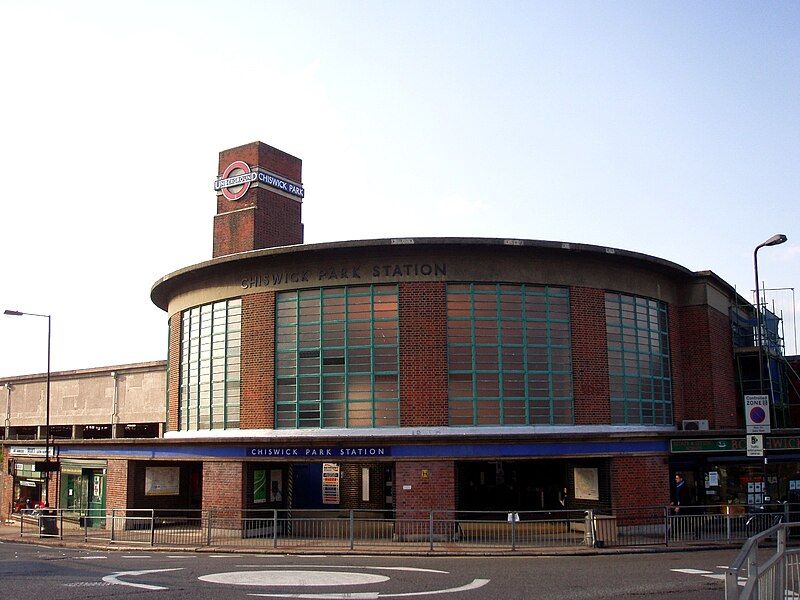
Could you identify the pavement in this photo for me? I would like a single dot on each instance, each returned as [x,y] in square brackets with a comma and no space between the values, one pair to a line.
[10,532]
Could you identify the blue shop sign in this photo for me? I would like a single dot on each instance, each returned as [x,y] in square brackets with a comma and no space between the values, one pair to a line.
[318,452]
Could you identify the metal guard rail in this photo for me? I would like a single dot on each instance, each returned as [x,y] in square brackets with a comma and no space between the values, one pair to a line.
[776,578]
[417,529]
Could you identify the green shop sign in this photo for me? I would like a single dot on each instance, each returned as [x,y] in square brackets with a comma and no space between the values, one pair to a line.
[731,444]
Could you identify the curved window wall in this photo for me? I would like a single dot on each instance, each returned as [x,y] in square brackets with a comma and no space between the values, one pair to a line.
[337,359]
[210,366]
[509,355]
[638,360]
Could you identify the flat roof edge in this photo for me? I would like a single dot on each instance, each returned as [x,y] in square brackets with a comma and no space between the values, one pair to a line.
[158,293]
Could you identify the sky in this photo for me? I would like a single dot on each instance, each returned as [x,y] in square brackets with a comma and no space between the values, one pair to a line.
[667,128]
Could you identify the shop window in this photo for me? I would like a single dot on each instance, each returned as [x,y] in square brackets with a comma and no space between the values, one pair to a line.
[638,360]
[210,366]
[509,355]
[337,360]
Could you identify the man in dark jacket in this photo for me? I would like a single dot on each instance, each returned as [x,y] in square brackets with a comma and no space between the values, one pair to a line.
[683,506]
[681,496]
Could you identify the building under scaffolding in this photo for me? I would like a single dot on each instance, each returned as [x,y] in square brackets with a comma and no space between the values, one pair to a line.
[766,370]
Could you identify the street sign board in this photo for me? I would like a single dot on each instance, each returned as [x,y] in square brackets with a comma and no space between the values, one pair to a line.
[756,411]
[755,444]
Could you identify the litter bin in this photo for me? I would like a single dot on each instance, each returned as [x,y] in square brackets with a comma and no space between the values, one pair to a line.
[48,523]
[605,531]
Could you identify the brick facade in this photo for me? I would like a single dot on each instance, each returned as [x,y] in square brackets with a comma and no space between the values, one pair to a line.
[262,218]
[258,361]
[223,485]
[7,490]
[676,361]
[589,356]
[423,354]
[434,492]
[118,492]
[706,367]
[639,481]
[351,487]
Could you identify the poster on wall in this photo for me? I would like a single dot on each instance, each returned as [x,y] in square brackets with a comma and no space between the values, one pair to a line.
[330,483]
[587,486]
[162,481]
[259,486]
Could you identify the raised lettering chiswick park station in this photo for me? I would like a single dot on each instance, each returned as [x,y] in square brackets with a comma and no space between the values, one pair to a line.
[412,373]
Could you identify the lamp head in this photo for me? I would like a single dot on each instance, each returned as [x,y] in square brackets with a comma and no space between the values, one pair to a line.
[13,313]
[776,239]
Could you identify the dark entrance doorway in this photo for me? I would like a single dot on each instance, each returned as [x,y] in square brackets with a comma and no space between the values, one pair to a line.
[511,485]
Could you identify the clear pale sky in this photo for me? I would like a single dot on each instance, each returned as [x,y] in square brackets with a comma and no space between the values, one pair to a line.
[667,128]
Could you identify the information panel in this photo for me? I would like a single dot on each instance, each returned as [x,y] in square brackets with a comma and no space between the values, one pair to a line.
[330,483]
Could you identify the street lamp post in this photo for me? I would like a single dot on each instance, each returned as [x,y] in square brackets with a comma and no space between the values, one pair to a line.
[17,313]
[776,239]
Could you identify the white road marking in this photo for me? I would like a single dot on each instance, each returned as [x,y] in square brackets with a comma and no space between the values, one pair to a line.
[176,556]
[223,555]
[136,556]
[113,578]
[345,596]
[293,578]
[709,574]
[90,557]
[474,585]
[303,566]
[692,571]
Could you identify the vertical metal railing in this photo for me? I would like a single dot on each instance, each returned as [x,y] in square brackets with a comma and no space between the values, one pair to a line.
[775,577]
[427,530]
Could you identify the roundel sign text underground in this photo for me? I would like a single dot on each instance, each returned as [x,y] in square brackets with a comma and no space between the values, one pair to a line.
[237,177]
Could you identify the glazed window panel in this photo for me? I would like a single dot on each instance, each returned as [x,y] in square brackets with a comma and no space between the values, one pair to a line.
[637,335]
[337,360]
[210,366]
[509,355]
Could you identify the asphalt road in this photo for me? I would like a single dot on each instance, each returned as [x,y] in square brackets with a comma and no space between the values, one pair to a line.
[30,571]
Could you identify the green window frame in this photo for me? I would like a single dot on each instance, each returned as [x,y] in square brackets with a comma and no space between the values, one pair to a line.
[210,376]
[639,373]
[337,358]
[509,355]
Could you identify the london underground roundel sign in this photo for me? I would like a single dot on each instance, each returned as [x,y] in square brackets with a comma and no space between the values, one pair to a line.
[235,180]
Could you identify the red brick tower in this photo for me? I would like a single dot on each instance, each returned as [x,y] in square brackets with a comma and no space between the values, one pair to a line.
[259,199]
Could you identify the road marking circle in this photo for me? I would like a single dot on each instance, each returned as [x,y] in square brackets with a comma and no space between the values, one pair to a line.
[293,578]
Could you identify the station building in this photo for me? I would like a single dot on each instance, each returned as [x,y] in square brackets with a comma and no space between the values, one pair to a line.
[436,373]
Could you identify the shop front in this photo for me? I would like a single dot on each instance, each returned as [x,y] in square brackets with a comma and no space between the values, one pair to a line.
[83,490]
[28,483]
[719,472]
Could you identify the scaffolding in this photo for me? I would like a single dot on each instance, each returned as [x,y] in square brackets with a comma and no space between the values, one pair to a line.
[765,370]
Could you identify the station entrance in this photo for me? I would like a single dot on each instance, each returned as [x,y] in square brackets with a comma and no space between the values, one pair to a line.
[512,485]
